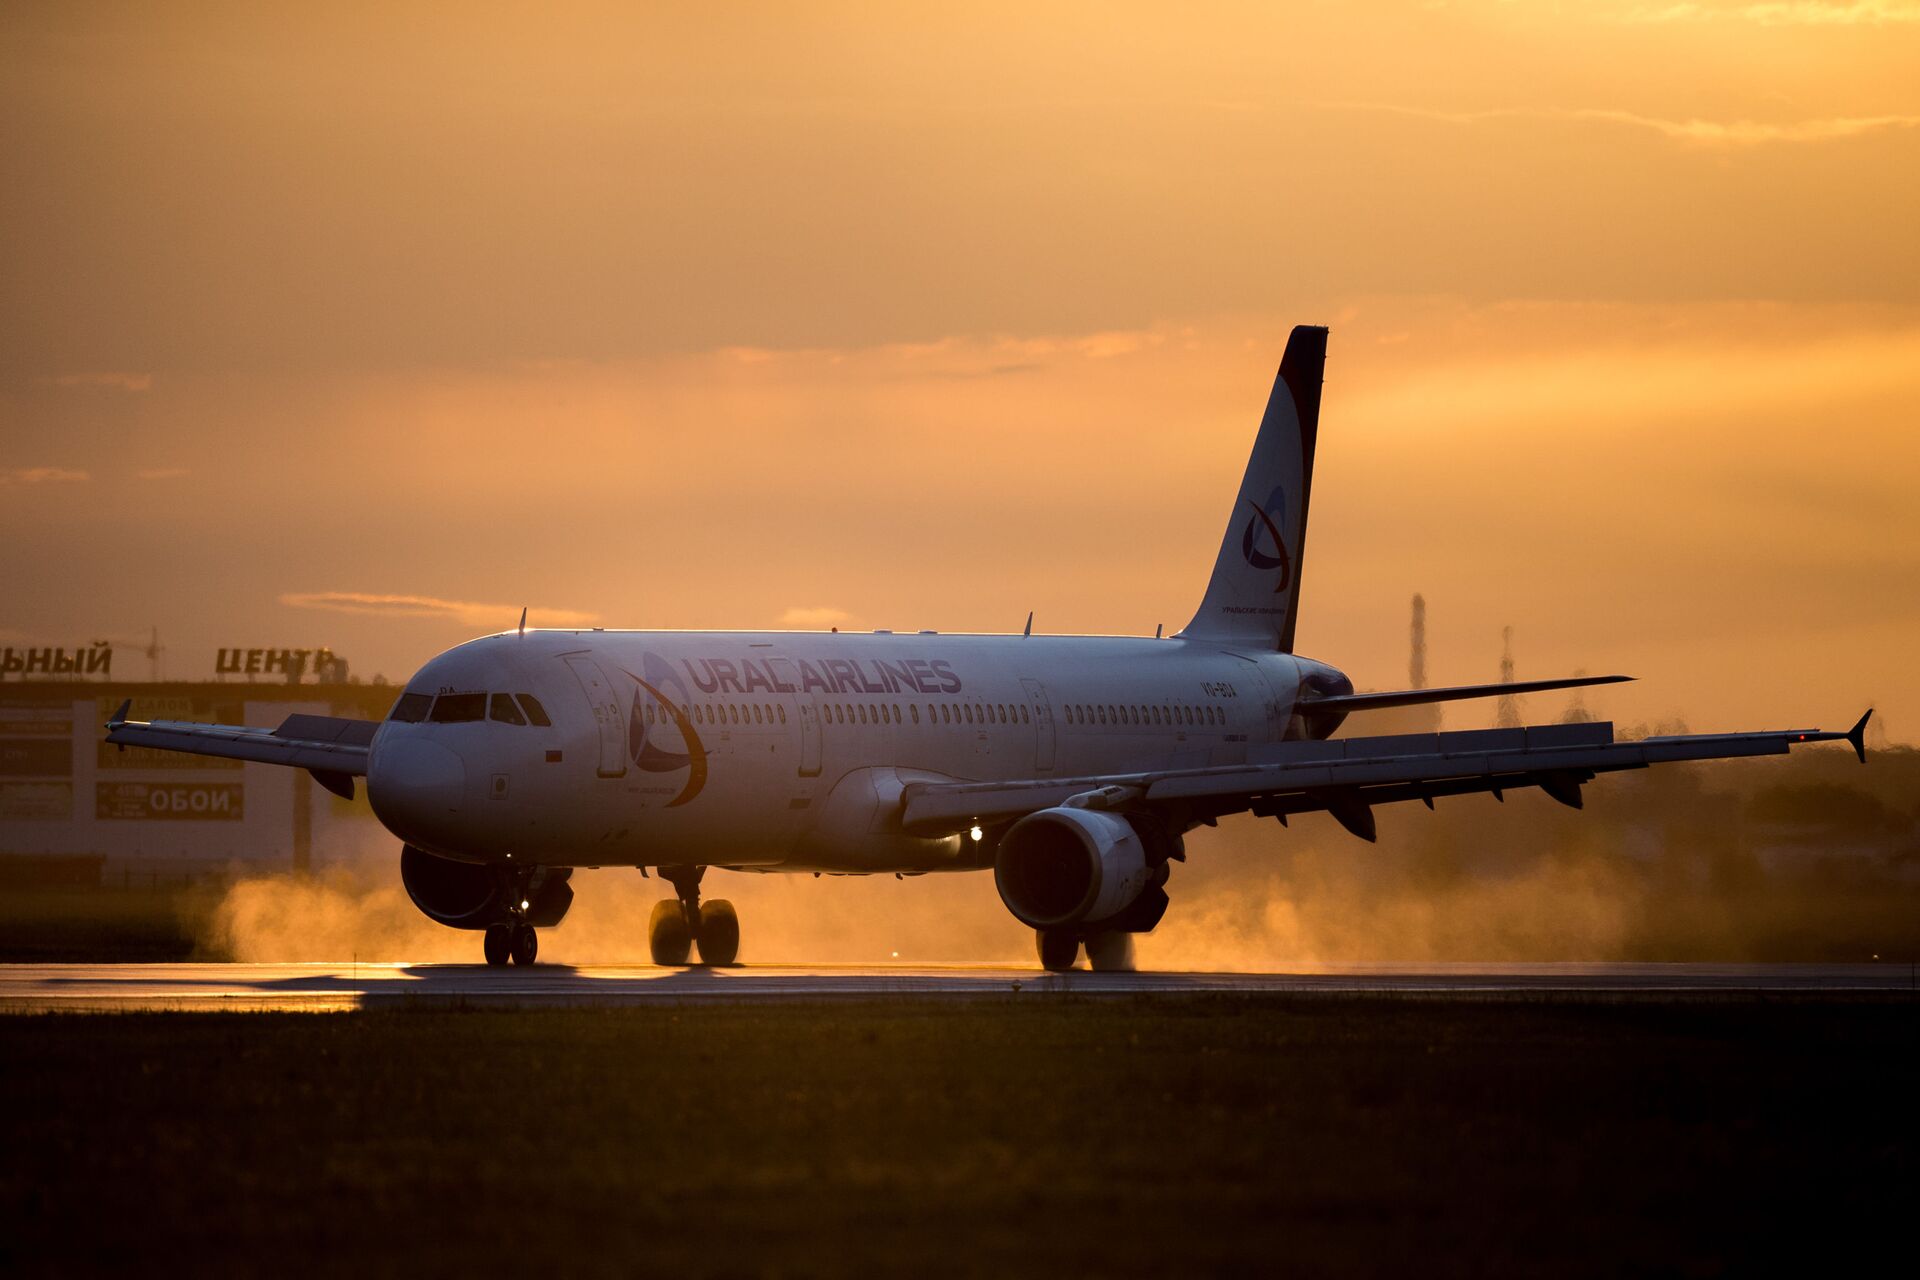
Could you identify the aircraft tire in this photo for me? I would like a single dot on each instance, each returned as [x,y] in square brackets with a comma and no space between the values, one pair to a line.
[1110,952]
[525,944]
[719,937]
[667,935]
[497,944]
[1057,950]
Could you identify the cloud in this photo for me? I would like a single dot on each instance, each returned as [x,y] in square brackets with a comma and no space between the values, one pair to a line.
[1696,132]
[43,475]
[471,612]
[134,382]
[1785,13]
[161,473]
[812,618]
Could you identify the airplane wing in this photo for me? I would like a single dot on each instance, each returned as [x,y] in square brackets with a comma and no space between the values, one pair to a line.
[332,748]
[1346,777]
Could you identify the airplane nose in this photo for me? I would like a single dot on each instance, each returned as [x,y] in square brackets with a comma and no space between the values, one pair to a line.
[413,785]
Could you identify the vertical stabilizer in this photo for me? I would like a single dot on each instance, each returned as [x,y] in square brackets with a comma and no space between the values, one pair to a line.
[1253,597]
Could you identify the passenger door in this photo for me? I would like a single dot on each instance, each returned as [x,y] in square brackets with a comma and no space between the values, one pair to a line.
[609,715]
[1042,711]
[808,711]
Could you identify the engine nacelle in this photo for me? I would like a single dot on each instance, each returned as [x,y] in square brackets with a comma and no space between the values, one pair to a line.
[1067,866]
[473,895]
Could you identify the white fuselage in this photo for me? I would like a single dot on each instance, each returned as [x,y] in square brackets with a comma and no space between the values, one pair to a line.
[788,750]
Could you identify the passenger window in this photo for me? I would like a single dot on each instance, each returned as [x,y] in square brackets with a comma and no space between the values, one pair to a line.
[536,714]
[915,709]
[501,708]
[783,714]
[944,717]
[756,716]
[459,708]
[411,708]
[1023,715]
[863,714]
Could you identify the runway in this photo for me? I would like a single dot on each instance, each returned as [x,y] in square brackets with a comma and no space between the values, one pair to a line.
[320,988]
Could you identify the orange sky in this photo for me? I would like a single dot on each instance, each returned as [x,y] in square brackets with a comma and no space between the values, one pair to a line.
[893,317]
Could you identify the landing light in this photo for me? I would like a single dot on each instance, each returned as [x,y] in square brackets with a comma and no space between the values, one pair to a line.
[524,904]
[975,835]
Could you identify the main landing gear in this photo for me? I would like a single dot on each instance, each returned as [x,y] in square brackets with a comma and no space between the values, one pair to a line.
[1109,951]
[679,924]
[517,942]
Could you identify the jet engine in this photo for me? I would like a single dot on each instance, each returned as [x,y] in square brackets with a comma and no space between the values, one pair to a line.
[473,895]
[1065,867]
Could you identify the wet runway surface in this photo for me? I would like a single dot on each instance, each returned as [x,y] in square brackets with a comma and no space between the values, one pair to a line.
[334,987]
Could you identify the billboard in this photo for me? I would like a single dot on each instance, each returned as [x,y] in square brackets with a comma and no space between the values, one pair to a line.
[36,800]
[36,757]
[169,801]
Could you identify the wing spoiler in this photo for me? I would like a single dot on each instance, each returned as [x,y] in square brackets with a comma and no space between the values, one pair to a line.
[1347,776]
[332,748]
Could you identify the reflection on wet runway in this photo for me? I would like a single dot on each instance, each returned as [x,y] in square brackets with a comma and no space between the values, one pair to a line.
[335,987]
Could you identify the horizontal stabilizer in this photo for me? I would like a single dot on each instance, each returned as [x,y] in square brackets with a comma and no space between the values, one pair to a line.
[1346,703]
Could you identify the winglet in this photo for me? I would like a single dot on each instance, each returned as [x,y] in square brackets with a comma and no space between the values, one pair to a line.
[1858,736]
[119,717]
[523,625]
[1029,630]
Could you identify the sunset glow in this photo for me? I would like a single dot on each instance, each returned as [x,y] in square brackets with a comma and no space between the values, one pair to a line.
[367,329]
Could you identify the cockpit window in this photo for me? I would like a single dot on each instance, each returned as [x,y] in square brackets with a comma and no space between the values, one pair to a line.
[503,708]
[412,708]
[535,712]
[459,708]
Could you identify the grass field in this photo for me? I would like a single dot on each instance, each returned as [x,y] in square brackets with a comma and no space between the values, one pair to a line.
[1143,1136]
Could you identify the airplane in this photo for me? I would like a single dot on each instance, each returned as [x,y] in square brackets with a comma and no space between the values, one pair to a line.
[1071,767]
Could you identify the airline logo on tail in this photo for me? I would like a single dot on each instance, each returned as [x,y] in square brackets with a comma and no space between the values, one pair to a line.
[1263,529]
[652,756]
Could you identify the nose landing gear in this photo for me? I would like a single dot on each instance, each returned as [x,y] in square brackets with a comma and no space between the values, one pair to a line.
[679,924]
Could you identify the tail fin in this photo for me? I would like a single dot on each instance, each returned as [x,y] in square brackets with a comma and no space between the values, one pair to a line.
[1253,597]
